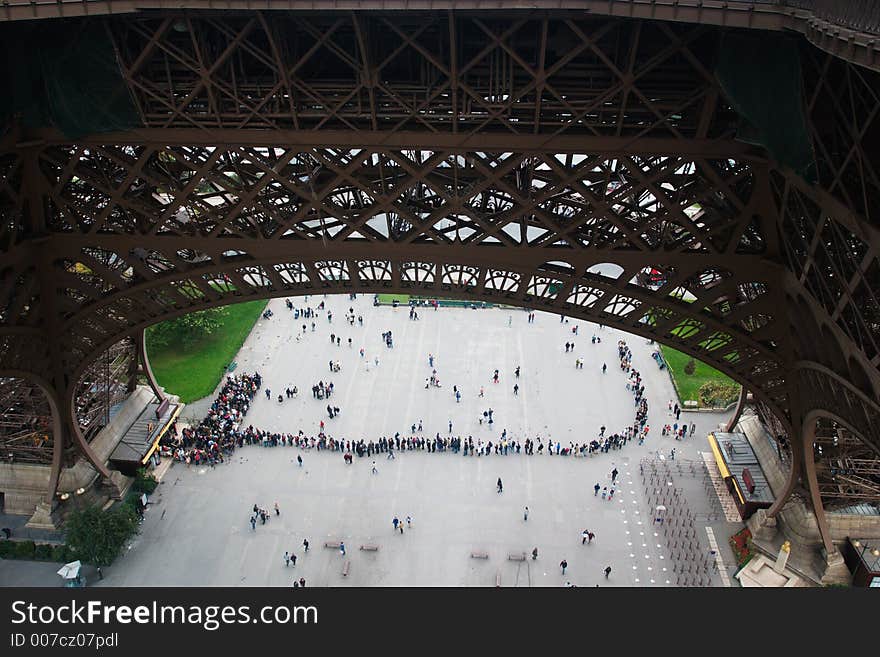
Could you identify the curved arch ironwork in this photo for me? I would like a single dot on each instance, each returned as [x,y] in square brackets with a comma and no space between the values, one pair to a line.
[487,157]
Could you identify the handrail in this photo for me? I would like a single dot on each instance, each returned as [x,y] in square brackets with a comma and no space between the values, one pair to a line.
[859,15]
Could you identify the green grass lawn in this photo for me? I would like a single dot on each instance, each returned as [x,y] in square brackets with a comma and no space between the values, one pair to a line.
[688,386]
[402,299]
[194,373]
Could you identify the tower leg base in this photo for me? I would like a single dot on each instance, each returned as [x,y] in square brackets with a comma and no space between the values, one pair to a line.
[762,526]
[44,518]
[835,570]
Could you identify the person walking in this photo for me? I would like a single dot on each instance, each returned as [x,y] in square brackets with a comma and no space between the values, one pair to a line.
[409,522]
[584,535]
[525,514]
[375,471]
[302,582]
[254,523]
[534,554]
[342,548]
[305,545]
[614,474]
[395,522]
[500,487]
[596,490]
[563,564]
[277,510]
[299,460]
[590,537]
[293,558]
[516,389]
[286,559]
[607,571]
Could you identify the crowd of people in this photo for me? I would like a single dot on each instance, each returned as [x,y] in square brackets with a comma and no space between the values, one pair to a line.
[222,430]
[214,439]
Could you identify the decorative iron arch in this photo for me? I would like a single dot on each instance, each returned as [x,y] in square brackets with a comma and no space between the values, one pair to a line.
[502,161]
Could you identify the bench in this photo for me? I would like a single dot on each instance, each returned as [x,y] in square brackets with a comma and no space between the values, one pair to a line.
[369,547]
[516,556]
[345,568]
[479,555]
[498,578]
[332,544]
[690,403]
[163,406]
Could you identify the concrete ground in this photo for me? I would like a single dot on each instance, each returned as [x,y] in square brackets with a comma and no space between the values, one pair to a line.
[197,532]
[15,573]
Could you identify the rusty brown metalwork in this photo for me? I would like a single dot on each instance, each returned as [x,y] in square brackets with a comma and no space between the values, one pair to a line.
[25,423]
[844,29]
[847,471]
[486,156]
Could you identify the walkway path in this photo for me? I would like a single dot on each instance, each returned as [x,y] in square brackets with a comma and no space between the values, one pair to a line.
[197,530]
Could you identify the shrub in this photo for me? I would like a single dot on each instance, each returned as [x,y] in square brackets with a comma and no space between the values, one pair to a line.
[7,549]
[43,552]
[715,394]
[61,554]
[24,549]
[690,367]
[144,483]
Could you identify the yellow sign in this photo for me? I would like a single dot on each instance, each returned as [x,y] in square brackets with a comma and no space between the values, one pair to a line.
[161,433]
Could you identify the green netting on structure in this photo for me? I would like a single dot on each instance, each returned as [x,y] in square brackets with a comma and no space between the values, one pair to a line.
[761,77]
[64,75]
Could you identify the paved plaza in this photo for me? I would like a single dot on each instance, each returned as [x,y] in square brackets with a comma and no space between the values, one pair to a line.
[197,530]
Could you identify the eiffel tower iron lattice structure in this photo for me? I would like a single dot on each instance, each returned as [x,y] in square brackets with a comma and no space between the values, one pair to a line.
[210,157]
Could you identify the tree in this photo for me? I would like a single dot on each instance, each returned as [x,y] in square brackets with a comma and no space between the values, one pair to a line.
[690,367]
[188,329]
[97,536]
